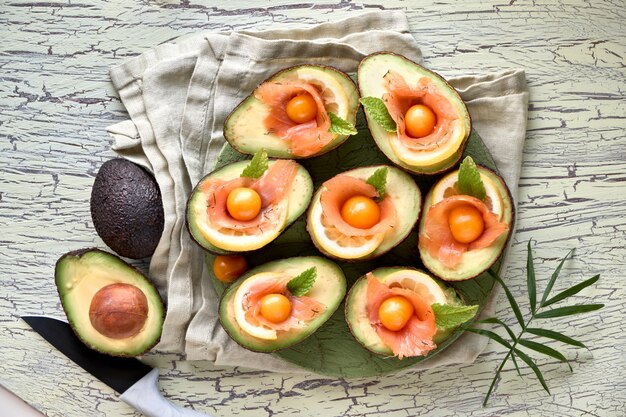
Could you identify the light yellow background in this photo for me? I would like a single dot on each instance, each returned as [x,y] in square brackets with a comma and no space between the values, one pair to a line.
[56,100]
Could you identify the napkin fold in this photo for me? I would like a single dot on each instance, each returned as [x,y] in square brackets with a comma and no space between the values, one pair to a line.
[179,94]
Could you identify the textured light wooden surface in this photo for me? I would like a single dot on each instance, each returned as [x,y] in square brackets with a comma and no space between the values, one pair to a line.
[56,100]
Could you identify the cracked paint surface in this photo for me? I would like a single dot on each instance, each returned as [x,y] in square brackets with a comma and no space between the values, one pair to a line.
[56,100]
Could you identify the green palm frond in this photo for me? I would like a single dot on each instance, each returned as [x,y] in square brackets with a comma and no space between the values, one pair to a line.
[537,312]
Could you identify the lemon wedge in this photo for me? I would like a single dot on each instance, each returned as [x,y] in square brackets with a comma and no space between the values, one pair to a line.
[237,241]
[336,243]
[446,186]
[334,94]
[253,329]
[418,282]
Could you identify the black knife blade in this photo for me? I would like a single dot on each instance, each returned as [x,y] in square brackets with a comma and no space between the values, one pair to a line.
[118,373]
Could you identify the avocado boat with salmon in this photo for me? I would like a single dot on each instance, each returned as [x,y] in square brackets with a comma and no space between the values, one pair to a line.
[245,205]
[280,303]
[416,118]
[363,213]
[467,220]
[299,112]
[403,312]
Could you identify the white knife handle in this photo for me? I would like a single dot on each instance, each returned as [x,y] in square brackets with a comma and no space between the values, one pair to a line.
[146,398]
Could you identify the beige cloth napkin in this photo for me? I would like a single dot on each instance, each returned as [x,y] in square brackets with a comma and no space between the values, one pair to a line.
[178,96]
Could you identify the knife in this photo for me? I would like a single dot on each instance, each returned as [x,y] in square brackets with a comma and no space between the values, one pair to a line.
[136,381]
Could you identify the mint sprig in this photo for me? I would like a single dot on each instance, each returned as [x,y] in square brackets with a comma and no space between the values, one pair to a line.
[376,109]
[450,316]
[378,180]
[339,126]
[257,166]
[302,284]
[515,343]
[469,181]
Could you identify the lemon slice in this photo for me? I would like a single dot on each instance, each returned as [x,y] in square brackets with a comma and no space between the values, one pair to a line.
[336,243]
[443,151]
[233,240]
[253,329]
[418,282]
[446,187]
[335,98]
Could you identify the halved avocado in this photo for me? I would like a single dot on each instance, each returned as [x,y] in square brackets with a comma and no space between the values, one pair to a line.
[111,306]
[357,315]
[371,73]
[477,261]
[205,235]
[329,288]
[245,128]
[406,197]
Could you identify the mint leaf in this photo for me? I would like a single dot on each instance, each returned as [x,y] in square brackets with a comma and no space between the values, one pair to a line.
[469,182]
[376,109]
[378,180]
[257,166]
[448,316]
[303,283]
[338,126]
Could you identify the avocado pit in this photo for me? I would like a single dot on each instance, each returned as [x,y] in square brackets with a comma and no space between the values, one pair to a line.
[118,310]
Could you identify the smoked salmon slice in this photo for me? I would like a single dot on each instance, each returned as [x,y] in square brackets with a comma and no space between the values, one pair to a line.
[342,187]
[401,96]
[271,187]
[416,337]
[305,139]
[437,237]
[303,308]
[276,181]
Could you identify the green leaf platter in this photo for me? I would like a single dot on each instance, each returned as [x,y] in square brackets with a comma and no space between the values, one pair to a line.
[332,350]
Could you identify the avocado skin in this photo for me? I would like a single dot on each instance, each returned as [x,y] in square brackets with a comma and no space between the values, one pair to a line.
[60,283]
[126,208]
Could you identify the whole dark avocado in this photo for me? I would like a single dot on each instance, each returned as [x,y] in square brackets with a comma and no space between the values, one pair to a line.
[126,208]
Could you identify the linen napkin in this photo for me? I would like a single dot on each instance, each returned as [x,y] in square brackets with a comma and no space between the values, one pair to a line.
[178,96]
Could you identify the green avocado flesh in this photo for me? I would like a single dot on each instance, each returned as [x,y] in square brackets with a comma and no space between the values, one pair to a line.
[407,201]
[329,288]
[477,261]
[372,84]
[357,315]
[245,128]
[205,234]
[80,275]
